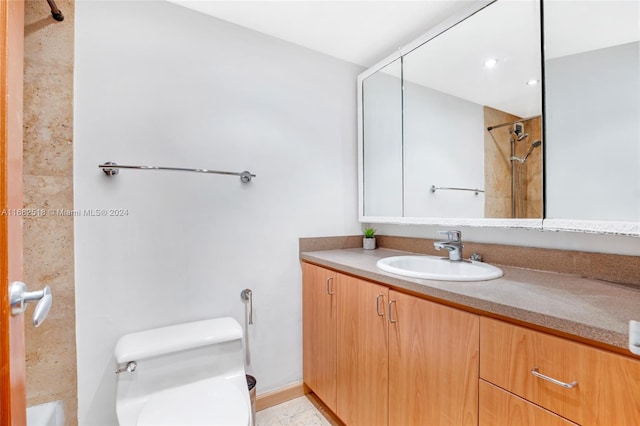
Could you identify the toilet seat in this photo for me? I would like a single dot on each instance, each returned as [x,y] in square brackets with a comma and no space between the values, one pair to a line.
[214,402]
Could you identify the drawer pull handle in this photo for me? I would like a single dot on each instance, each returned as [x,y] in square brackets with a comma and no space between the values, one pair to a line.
[571,385]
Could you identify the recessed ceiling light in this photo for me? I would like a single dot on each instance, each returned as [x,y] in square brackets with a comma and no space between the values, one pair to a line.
[532,82]
[490,63]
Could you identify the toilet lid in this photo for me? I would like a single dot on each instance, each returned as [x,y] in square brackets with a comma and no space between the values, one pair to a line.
[208,402]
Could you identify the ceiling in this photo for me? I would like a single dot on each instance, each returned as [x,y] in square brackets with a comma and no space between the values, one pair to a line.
[506,31]
[366,32]
[361,32]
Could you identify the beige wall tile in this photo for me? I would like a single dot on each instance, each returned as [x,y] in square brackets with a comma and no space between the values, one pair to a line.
[48,252]
[498,167]
[48,184]
[48,192]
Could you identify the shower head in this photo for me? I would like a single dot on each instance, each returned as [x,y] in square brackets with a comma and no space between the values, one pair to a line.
[518,132]
[531,148]
[519,137]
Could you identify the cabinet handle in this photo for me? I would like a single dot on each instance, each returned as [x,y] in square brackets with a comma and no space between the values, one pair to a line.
[378,305]
[391,302]
[329,292]
[571,385]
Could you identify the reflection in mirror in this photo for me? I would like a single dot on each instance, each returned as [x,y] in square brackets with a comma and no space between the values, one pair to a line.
[469,142]
[382,147]
[471,78]
[592,84]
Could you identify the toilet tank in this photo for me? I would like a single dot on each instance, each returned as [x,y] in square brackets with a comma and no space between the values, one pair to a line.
[178,355]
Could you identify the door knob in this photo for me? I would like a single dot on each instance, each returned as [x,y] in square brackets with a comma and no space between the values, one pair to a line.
[19,296]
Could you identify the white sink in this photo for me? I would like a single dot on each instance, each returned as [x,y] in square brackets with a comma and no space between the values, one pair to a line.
[437,268]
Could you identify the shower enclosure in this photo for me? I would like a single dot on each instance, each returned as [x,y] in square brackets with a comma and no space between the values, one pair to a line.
[519,184]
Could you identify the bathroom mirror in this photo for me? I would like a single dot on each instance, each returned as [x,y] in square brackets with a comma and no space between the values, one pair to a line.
[468,149]
[592,89]
[382,129]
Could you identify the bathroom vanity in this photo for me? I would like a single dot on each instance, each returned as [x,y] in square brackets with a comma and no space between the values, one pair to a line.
[530,348]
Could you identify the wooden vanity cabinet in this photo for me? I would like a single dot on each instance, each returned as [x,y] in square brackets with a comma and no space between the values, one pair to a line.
[363,358]
[433,363]
[319,315]
[401,360]
[602,388]
[377,356]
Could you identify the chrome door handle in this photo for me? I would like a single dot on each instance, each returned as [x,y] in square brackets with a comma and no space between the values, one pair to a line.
[378,305]
[329,292]
[19,296]
[391,302]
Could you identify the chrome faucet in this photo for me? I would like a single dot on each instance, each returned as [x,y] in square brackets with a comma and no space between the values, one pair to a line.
[453,244]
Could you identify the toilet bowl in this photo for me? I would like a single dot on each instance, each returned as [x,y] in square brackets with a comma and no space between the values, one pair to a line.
[185,374]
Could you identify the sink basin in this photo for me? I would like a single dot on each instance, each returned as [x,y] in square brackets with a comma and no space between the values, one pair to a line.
[437,268]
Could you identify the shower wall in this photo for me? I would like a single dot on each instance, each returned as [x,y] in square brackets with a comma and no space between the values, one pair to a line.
[48,185]
[532,174]
[158,84]
[498,167]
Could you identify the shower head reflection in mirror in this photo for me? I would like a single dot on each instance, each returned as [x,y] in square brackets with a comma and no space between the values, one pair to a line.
[518,132]
[533,146]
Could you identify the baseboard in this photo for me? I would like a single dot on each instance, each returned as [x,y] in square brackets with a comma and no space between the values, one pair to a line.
[280,395]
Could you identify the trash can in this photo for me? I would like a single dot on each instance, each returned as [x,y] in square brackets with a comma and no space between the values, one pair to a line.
[251,384]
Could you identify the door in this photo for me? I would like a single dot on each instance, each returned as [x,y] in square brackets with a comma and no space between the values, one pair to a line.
[12,367]
[433,363]
[319,332]
[362,352]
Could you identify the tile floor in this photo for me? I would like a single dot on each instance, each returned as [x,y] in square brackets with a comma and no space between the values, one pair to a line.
[297,412]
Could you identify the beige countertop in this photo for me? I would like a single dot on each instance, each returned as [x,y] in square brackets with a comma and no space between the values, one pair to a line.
[597,311]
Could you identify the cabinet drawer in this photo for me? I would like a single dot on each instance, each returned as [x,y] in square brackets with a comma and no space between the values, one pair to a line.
[501,408]
[606,389]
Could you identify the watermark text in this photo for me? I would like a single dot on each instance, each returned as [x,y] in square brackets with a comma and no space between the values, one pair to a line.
[65,212]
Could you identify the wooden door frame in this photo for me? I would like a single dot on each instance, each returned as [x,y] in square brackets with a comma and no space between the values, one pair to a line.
[12,354]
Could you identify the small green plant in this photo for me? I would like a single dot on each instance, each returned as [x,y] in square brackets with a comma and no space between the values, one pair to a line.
[369,233]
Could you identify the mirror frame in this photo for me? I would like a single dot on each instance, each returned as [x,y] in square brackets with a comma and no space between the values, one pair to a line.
[567,225]
[476,222]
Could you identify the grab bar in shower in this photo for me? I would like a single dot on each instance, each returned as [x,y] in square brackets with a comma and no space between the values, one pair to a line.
[436,188]
[111,169]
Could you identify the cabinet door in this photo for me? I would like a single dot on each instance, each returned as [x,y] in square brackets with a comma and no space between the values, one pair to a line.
[433,363]
[501,408]
[362,352]
[319,332]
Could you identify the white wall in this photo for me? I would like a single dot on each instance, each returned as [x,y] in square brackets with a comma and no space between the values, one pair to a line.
[444,147]
[162,85]
[593,155]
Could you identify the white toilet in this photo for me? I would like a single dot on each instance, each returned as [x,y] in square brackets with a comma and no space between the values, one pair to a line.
[186,374]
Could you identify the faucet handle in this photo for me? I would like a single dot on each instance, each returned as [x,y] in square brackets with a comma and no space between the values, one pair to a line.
[452,235]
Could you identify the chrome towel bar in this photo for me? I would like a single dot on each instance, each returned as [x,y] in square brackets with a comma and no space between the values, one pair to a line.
[435,188]
[111,169]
